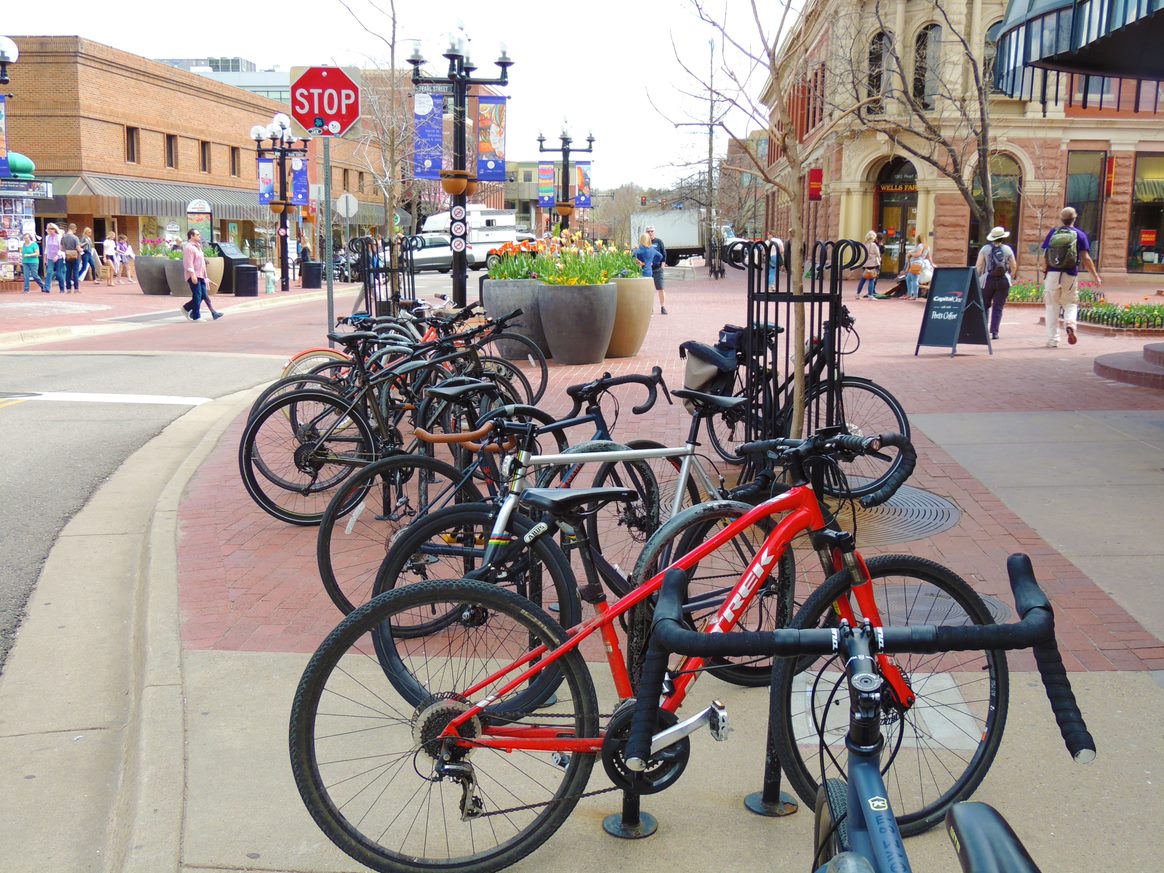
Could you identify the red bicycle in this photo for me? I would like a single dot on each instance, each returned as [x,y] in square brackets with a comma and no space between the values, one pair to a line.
[466,747]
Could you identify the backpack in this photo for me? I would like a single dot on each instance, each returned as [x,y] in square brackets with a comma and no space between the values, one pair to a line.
[1063,249]
[997,262]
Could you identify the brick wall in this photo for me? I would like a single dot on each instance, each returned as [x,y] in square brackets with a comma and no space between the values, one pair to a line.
[951,219]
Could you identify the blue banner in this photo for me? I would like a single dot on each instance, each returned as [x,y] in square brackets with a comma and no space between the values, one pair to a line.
[299,188]
[4,171]
[266,180]
[582,183]
[428,114]
[545,184]
[491,139]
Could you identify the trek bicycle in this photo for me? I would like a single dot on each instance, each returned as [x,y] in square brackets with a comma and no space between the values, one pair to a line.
[466,747]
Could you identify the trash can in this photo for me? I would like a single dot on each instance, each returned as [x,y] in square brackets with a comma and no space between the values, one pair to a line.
[246,280]
[311,274]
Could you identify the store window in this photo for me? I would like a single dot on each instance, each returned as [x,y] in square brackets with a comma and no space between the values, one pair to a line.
[1146,240]
[1085,175]
[204,156]
[1006,183]
[235,161]
[132,145]
[172,151]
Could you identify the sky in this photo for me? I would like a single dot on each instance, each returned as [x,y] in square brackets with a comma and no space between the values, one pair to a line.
[600,65]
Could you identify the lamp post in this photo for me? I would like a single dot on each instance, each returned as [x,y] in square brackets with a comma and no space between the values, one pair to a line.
[8,55]
[282,146]
[456,181]
[564,207]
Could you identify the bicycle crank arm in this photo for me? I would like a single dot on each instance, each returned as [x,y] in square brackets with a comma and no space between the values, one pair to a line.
[715,718]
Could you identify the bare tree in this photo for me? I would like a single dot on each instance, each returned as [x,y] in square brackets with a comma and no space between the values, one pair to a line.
[1041,192]
[614,209]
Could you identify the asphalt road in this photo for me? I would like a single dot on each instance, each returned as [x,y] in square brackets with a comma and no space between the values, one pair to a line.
[60,448]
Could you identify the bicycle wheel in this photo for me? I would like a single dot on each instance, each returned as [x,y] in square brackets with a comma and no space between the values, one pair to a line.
[725,430]
[666,472]
[712,579]
[368,762]
[368,512]
[866,409]
[298,448]
[495,367]
[288,384]
[524,352]
[304,361]
[450,544]
[938,750]
[830,826]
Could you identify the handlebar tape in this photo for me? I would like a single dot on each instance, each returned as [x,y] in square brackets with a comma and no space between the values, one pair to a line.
[903,472]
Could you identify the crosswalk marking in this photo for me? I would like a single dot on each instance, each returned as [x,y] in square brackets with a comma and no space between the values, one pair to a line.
[80,397]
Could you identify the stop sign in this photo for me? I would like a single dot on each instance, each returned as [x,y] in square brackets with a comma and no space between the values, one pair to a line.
[325,101]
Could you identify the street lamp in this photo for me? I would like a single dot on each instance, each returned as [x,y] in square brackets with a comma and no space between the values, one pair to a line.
[8,55]
[564,206]
[282,145]
[456,181]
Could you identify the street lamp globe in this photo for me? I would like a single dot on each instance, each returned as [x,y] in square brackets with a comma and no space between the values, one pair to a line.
[8,55]
[258,133]
[282,120]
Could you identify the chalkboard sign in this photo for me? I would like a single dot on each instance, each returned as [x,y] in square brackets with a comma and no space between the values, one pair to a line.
[954,311]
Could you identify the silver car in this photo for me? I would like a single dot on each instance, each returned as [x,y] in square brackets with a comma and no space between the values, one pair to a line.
[433,251]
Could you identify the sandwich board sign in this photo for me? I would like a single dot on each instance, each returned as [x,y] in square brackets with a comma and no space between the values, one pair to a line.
[954,311]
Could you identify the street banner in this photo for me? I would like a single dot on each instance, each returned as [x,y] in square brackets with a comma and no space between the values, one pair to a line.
[815,183]
[300,195]
[545,184]
[4,171]
[582,185]
[266,180]
[491,139]
[428,114]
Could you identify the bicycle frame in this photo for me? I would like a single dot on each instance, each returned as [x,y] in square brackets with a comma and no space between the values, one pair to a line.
[873,831]
[803,515]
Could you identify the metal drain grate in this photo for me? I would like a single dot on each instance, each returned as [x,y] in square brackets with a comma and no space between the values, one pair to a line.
[911,514]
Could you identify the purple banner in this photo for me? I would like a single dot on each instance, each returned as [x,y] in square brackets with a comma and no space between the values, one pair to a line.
[491,139]
[582,181]
[428,112]
[266,180]
[545,184]
[300,192]
[4,171]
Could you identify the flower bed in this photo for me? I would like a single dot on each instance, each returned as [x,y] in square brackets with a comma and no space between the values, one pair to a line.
[567,260]
[1032,292]
[1133,316]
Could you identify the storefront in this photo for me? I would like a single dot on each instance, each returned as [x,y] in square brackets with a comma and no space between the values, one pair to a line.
[1006,185]
[18,198]
[896,212]
[1146,239]
[1086,180]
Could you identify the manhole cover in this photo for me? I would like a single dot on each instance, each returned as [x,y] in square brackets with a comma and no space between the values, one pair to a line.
[911,514]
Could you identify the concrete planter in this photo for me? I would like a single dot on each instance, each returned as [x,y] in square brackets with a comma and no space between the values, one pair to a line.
[632,316]
[176,279]
[151,274]
[578,320]
[215,267]
[503,296]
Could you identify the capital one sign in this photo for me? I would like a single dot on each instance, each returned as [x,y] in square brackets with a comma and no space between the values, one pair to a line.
[325,101]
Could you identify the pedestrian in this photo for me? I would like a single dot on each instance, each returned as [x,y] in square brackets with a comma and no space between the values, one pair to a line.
[775,258]
[1063,250]
[194,269]
[54,258]
[647,255]
[88,258]
[125,260]
[109,256]
[71,252]
[30,263]
[918,255]
[657,274]
[871,268]
[996,268]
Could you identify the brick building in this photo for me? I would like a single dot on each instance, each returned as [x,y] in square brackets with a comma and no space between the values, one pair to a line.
[1093,143]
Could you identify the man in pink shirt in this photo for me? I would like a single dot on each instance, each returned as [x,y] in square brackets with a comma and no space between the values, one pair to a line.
[194,268]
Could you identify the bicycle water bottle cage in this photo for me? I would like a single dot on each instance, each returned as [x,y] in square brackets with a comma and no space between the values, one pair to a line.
[725,363]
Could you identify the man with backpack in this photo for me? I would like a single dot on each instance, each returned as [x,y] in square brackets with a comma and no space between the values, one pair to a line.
[1063,250]
[996,267]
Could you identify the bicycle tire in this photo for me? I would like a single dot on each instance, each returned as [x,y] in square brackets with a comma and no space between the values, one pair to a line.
[538,374]
[868,410]
[277,459]
[304,361]
[932,594]
[725,430]
[497,366]
[450,543]
[377,803]
[355,534]
[666,472]
[288,384]
[830,824]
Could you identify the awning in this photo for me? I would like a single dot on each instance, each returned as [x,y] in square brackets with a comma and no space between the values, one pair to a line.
[120,195]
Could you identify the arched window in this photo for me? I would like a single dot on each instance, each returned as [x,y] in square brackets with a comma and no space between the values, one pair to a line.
[878,56]
[1006,184]
[926,59]
[989,55]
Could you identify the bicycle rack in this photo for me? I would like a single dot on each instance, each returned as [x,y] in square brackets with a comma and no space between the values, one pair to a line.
[381,295]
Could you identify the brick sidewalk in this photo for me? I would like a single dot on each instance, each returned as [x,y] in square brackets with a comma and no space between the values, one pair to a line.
[249,583]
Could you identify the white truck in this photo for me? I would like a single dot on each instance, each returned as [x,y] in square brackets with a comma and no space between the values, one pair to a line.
[488,228]
[683,231]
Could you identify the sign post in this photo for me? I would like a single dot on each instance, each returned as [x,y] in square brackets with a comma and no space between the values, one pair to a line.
[954,311]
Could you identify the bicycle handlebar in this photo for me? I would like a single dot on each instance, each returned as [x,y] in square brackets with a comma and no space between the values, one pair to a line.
[898,477]
[589,391]
[1035,629]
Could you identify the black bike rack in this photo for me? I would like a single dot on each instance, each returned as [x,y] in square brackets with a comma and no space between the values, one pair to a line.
[381,295]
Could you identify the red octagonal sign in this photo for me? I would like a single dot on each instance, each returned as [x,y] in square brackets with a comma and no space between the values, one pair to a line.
[325,101]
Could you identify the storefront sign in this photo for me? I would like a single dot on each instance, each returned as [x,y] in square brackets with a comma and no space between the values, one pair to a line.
[200,218]
[815,183]
[25,188]
[1148,238]
[1109,177]
[898,188]
[954,311]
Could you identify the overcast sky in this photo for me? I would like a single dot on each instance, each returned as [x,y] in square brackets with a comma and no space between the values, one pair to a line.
[593,63]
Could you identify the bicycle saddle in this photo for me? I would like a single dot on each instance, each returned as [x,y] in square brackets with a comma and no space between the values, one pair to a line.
[709,402]
[462,385]
[726,363]
[985,842]
[354,338]
[561,501]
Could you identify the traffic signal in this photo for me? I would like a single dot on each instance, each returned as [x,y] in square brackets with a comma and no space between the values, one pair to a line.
[643,200]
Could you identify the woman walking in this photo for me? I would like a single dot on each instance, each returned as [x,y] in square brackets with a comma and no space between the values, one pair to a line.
[30,263]
[918,256]
[54,258]
[871,269]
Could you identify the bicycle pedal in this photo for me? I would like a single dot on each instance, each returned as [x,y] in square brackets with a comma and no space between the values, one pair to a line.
[718,722]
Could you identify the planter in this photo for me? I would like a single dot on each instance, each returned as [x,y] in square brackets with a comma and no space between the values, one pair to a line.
[501,297]
[214,270]
[578,320]
[632,316]
[176,279]
[151,274]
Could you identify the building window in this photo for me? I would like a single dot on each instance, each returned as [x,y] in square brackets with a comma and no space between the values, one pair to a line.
[926,60]
[1146,240]
[990,56]
[878,55]
[1006,184]
[527,175]
[172,151]
[235,161]
[132,145]
[345,186]
[360,182]
[1085,174]
[204,156]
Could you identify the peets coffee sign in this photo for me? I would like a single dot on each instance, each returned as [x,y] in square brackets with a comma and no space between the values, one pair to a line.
[954,311]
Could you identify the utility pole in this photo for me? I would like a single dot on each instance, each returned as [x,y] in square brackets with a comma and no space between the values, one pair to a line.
[711,222]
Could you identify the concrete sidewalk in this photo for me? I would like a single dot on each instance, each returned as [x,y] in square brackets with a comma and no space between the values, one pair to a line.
[145,705]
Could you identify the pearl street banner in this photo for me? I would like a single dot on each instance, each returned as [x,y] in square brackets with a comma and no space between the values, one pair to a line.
[582,183]
[491,139]
[4,171]
[266,180]
[545,184]
[300,190]
[428,112]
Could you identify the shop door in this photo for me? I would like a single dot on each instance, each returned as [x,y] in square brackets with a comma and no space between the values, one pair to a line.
[898,227]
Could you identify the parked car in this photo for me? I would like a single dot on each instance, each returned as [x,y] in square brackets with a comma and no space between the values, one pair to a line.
[433,251]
